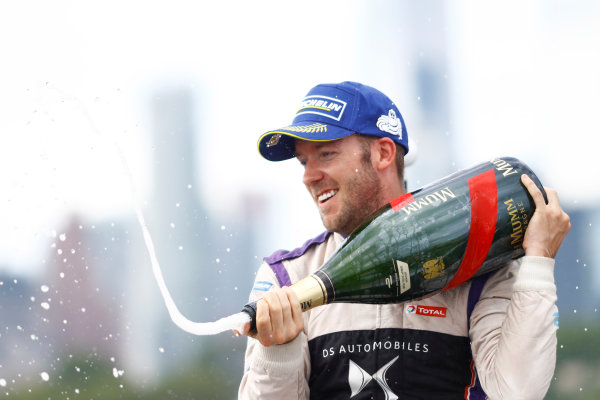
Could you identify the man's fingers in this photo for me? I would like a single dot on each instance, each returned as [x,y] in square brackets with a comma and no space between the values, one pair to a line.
[296,310]
[276,308]
[552,197]
[534,191]
[264,325]
[243,330]
[284,316]
[278,317]
[548,225]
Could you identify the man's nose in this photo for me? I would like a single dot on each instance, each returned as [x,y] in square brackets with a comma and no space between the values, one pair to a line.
[312,172]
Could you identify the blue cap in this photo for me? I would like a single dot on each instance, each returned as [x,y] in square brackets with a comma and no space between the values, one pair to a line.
[333,111]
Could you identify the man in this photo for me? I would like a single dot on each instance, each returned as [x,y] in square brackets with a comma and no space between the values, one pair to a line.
[498,336]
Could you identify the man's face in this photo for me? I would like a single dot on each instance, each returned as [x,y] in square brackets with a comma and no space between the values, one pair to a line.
[341,180]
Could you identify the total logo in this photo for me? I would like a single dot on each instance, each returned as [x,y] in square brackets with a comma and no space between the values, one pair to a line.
[428,311]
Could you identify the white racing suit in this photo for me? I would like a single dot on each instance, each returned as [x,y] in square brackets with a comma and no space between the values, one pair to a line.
[492,337]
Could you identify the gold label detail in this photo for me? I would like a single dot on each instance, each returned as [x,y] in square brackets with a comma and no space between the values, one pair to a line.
[310,292]
[518,220]
[434,268]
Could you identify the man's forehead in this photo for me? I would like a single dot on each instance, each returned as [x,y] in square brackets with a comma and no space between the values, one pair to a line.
[307,145]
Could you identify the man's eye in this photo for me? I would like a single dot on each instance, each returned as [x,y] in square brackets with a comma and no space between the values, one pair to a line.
[326,154]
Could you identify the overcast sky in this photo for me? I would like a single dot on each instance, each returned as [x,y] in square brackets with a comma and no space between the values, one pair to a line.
[77,76]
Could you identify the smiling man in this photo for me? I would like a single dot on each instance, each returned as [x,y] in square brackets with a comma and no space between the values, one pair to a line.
[468,342]
[344,199]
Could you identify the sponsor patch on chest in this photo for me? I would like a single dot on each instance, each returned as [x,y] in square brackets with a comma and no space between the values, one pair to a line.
[427,311]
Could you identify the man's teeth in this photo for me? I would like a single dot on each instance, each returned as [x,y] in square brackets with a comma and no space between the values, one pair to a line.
[327,195]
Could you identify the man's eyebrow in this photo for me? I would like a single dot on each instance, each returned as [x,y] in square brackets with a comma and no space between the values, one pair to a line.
[297,154]
[318,145]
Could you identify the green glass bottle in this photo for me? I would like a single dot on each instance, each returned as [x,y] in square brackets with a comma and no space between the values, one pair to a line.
[427,241]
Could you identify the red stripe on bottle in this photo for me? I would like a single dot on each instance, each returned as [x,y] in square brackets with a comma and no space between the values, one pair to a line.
[401,201]
[484,211]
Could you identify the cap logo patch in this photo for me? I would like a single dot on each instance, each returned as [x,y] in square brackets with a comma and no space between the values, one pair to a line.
[274,140]
[390,123]
[312,128]
[322,105]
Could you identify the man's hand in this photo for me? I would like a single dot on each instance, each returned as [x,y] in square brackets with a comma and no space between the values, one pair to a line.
[278,317]
[549,224]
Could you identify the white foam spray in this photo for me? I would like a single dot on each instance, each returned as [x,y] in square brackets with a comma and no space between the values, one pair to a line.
[235,322]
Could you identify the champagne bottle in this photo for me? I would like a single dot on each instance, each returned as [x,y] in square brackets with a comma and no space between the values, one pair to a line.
[427,241]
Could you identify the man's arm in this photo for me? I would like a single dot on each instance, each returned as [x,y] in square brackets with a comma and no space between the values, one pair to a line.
[513,326]
[276,363]
[513,331]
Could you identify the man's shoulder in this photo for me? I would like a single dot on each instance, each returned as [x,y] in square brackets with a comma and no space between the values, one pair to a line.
[282,255]
[292,265]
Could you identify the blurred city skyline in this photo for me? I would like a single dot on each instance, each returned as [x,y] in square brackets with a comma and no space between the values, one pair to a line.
[185,89]
[74,87]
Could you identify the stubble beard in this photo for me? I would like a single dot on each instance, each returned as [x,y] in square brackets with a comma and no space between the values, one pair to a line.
[362,198]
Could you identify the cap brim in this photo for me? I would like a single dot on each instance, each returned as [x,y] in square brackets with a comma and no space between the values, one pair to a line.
[279,145]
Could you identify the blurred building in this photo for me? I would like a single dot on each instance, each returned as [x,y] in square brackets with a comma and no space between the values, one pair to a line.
[98,298]
[74,309]
[83,291]
[207,260]
[414,73]
[577,274]
[20,348]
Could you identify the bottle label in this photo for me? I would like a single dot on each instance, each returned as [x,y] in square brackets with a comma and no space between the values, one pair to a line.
[519,219]
[434,268]
[403,276]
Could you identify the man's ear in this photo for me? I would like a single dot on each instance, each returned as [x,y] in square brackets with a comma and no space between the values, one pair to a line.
[383,153]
